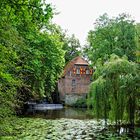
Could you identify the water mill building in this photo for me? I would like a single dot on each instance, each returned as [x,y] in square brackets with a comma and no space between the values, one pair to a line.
[75,81]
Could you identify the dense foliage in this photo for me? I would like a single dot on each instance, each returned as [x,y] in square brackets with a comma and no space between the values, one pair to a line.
[115,35]
[31,55]
[113,46]
[115,93]
[33,52]
[138,42]
[72,47]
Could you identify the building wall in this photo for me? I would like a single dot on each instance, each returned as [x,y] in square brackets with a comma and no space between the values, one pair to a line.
[70,99]
[77,84]
[74,86]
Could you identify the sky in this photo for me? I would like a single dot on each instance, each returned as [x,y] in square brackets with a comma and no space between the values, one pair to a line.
[78,16]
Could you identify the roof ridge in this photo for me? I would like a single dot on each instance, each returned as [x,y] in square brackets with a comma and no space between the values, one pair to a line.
[74,61]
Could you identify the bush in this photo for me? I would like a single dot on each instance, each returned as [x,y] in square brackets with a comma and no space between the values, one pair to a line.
[81,103]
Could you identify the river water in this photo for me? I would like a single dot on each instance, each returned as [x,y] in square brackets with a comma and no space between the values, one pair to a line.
[69,113]
[79,124]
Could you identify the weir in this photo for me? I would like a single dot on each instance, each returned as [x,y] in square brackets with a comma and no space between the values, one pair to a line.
[48,106]
[33,106]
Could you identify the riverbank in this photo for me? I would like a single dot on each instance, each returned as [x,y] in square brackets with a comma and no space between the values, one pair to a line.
[60,129]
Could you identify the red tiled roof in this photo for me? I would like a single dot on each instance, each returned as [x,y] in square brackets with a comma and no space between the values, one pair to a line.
[77,60]
[80,61]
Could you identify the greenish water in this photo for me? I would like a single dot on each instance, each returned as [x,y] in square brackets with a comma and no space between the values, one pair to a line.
[65,124]
[69,113]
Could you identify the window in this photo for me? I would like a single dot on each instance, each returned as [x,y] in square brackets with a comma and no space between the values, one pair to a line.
[69,73]
[87,71]
[73,82]
[73,85]
[77,71]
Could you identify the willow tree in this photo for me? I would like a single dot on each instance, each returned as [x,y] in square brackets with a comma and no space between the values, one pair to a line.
[115,87]
[98,98]
[138,42]
[116,91]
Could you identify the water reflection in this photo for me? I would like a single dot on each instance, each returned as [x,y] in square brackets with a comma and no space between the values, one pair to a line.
[71,113]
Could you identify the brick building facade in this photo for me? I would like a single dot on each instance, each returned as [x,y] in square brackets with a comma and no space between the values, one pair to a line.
[74,83]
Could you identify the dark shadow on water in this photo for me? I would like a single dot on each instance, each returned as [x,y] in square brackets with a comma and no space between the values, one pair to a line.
[70,113]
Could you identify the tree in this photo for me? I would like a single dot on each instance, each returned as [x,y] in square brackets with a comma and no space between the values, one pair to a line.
[115,93]
[115,35]
[138,42]
[112,48]
[31,58]
[71,44]
[72,47]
